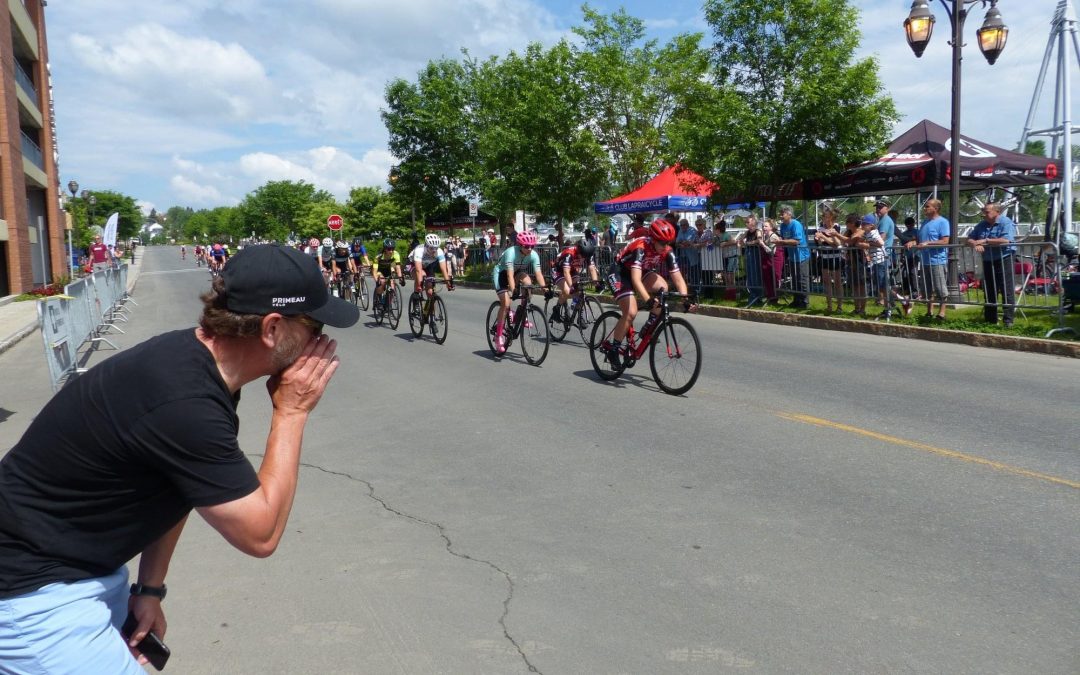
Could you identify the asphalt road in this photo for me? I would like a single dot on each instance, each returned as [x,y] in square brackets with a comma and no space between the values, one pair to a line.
[818,503]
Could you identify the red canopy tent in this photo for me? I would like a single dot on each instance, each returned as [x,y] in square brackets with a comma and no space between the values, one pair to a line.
[673,189]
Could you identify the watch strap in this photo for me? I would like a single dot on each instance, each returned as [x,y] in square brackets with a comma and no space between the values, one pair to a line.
[153,591]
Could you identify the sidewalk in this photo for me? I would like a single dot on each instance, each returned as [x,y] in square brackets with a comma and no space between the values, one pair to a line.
[19,319]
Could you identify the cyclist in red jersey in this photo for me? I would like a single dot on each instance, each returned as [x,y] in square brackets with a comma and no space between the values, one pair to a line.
[645,267]
[571,261]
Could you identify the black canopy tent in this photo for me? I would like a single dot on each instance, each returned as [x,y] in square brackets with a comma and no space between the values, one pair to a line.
[918,160]
[451,220]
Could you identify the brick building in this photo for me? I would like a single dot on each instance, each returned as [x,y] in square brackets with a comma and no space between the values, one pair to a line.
[32,231]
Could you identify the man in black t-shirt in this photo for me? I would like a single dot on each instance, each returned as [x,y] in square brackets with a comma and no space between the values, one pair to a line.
[115,462]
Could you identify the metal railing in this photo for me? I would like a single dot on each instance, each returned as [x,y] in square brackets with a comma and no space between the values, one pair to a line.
[32,151]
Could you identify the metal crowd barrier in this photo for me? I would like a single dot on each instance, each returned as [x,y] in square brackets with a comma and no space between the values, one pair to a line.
[1033,272]
[83,315]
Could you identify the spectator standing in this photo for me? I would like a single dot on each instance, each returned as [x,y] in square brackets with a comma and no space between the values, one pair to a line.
[886,227]
[830,242]
[748,242]
[729,256]
[793,237]
[909,261]
[874,245]
[156,428]
[932,242]
[772,260]
[995,238]
[100,255]
[485,243]
[684,249]
[858,263]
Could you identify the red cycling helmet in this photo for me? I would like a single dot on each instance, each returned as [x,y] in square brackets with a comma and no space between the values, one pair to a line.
[662,230]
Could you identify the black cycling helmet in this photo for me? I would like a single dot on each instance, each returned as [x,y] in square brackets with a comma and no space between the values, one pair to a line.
[356,241]
[586,247]
[388,243]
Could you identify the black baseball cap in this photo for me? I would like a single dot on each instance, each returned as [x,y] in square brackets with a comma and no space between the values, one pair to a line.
[268,278]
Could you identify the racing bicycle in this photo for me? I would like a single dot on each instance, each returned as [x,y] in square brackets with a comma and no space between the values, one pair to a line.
[673,346]
[388,303]
[526,321]
[580,312]
[429,313]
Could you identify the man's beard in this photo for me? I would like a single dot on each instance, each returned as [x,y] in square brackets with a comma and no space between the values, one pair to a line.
[286,352]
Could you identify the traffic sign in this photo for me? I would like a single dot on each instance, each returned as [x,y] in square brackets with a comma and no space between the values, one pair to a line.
[334,222]
[474,208]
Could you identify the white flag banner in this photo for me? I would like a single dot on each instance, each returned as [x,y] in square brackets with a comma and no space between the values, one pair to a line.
[110,230]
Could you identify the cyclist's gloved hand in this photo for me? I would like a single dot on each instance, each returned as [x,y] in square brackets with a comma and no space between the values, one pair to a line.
[598,286]
[516,295]
[449,284]
[548,293]
[401,281]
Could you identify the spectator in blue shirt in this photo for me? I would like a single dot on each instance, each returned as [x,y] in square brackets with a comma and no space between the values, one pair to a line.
[995,238]
[932,243]
[886,227]
[793,237]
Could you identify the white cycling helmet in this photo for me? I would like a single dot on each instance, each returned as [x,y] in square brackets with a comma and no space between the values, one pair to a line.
[327,242]
[340,244]
[433,240]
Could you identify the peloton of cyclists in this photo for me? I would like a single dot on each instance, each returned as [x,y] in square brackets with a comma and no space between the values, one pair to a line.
[514,267]
[572,261]
[427,259]
[645,267]
[387,265]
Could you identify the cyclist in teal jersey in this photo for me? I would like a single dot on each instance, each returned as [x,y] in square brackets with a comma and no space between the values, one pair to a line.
[513,268]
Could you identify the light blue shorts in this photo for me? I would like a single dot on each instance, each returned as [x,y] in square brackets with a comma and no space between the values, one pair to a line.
[68,628]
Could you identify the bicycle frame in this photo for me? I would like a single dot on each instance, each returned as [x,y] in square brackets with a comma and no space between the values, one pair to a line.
[639,342]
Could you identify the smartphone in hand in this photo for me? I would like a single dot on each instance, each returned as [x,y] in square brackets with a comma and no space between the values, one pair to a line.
[151,646]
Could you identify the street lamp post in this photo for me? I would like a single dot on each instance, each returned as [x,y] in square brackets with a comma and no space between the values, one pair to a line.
[73,187]
[918,27]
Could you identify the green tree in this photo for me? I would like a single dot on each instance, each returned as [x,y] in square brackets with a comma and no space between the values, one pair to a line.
[790,102]
[107,202]
[430,133]
[360,207]
[534,147]
[633,88]
[277,209]
[312,222]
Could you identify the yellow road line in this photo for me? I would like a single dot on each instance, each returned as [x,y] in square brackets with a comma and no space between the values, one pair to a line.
[952,454]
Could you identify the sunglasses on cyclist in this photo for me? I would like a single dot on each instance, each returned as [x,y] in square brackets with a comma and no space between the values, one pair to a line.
[315,326]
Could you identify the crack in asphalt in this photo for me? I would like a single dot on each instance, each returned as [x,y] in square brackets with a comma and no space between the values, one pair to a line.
[441,530]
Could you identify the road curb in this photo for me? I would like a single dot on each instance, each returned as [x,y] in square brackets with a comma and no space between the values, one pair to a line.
[989,340]
[18,335]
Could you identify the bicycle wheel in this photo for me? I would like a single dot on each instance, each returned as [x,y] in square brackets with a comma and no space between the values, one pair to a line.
[602,329]
[347,292]
[973,205]
[535,338]
[589,311]
[416,306]
[675,356]
[559,329]
[378,307]
[394,311]
[361,293]
[437,322]
[489,326]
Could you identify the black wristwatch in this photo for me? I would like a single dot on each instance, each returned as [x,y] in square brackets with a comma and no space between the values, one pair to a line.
[153,591]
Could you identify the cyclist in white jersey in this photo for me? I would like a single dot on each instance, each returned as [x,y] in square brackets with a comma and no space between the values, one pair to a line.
[427,259]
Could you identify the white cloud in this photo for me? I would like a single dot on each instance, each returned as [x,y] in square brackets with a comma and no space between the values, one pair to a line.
[185,76]
[195,194]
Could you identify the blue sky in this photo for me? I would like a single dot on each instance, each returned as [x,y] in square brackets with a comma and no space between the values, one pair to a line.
[198,102]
